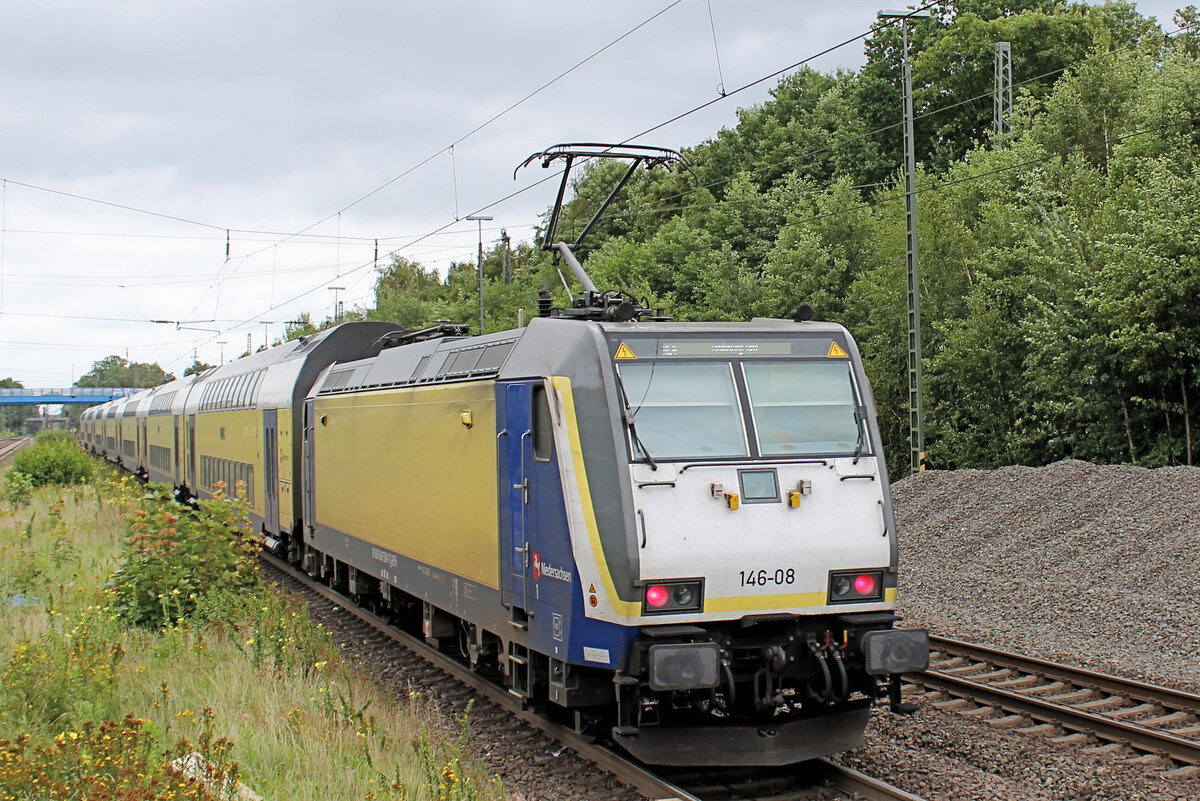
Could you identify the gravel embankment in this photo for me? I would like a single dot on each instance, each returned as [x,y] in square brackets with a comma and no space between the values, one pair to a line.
[1088,565]
[1091,565]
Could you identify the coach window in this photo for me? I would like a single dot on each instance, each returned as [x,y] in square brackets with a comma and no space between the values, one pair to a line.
[543,433]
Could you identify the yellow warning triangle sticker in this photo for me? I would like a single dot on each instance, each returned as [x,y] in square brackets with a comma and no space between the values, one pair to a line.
[836,352]
[623,352]
[592,589]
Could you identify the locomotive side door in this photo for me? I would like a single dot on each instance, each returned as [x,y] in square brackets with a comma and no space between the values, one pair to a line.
[514,452]
[531,496]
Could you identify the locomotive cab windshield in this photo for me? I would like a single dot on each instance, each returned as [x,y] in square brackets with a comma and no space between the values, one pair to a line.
[721,400]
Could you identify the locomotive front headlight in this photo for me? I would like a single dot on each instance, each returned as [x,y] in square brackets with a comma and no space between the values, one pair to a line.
[841,586]
[684,594]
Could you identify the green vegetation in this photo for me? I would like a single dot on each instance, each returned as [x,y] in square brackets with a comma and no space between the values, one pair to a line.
[138,646]
[173,560]
[113,371]
[11,417]
[54,458]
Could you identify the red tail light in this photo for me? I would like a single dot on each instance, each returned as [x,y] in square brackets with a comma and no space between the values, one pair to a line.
[855,586]
[864,584]
[657,596]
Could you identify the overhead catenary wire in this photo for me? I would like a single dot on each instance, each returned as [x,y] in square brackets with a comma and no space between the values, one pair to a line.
[660,207]
[933,190]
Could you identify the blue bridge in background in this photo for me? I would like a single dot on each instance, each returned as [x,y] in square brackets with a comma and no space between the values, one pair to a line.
[87,396]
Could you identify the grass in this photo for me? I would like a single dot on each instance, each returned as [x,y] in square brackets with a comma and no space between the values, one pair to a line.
[240,675]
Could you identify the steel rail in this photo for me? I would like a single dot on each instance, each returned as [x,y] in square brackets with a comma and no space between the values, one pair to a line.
[850,780]
[641,779]
[1062,713]
[10,445]
[1081,677]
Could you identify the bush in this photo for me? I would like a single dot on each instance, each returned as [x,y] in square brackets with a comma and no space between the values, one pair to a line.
[115,761]
[54,436]
[54,459]
[174,557]
[16,488]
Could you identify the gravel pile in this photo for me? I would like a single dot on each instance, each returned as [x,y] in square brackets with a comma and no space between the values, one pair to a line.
[1074,562]
[1091,565]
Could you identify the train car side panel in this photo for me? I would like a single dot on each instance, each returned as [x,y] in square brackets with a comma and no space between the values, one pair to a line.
[228,449]
[412,470]
[160,447]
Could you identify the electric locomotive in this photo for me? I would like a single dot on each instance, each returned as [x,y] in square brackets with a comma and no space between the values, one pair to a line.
[681,531]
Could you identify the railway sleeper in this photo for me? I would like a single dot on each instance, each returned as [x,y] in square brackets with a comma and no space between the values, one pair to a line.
[1134,711]
[1073,697]
[1169,719]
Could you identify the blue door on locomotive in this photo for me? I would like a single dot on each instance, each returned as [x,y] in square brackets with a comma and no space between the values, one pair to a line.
[540,581]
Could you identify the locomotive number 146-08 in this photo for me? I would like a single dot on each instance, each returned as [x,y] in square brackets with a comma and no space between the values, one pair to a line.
[763,577]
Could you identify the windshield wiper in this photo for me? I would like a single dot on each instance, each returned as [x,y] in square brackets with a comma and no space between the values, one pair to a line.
[862,434]
[633,434]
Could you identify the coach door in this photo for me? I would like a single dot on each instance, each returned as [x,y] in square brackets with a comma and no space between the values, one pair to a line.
[177,468]
[191,456]
[271,468]
[307,470]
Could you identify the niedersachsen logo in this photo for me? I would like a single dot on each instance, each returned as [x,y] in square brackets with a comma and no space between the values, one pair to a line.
[541,568]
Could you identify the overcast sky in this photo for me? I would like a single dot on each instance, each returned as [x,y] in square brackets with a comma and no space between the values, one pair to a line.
[133,135]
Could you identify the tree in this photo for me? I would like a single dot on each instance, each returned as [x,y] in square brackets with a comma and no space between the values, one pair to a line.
[114,371]
[11,417]
[197,367]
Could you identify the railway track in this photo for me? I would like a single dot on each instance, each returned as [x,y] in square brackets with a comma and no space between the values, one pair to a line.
[10,445]
[1069,704]
[779,784]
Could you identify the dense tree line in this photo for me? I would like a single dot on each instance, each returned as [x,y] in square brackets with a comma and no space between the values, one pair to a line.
[1060,264]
